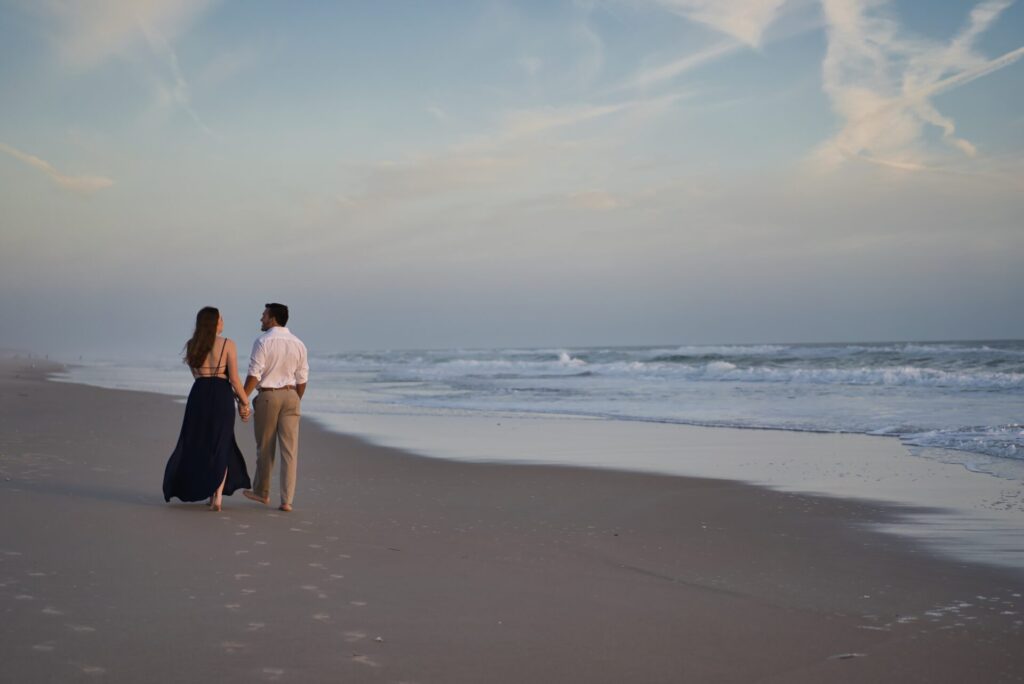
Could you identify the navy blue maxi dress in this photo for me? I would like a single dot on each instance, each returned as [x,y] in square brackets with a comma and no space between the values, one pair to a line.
[206,446]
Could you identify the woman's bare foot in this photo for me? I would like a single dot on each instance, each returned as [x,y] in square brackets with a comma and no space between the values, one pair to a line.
[217,499]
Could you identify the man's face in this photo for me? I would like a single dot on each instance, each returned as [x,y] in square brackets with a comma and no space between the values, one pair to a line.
[266,320]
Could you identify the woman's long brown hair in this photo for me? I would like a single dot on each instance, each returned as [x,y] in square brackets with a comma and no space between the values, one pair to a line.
[197,348]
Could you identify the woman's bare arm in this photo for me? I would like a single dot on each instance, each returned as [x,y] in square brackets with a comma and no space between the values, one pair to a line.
[236,384]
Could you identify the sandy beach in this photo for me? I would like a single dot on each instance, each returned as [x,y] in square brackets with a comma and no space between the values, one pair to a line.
[399,568]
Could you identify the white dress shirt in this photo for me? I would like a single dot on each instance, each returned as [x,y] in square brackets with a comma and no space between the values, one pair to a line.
[278,359]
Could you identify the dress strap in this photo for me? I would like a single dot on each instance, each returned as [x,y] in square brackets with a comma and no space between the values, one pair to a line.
[223,348]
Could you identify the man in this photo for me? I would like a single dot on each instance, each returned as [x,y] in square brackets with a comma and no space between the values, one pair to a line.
[279,369]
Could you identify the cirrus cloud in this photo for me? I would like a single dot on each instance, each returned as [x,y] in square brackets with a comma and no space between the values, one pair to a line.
[881,83]
[81,184]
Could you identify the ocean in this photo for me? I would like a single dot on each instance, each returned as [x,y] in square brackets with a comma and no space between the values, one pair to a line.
[964,400]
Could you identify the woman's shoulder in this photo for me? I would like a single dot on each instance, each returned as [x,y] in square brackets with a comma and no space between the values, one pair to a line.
[229,343]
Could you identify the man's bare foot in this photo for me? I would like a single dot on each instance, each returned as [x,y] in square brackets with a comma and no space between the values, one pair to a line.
[249,494]
[287,508]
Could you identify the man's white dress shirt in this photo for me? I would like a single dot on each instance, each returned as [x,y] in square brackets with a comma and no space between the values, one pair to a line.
[278,359]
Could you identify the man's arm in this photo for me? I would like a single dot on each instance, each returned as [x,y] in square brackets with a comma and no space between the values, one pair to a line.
[250,385]
[302,374]
[256,362]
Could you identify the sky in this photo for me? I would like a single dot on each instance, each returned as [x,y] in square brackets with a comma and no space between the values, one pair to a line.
[510,174]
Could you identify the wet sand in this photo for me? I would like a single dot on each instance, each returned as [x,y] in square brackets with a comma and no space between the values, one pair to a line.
[398,568]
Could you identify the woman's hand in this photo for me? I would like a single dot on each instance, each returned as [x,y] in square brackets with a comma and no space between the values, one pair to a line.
[244,412]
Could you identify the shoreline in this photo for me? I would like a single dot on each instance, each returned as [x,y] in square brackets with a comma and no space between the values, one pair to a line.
[467,572]
[966,513]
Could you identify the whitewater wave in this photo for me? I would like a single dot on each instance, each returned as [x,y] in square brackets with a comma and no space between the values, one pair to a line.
[1003,441]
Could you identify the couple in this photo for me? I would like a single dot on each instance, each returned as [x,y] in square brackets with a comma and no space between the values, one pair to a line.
[207,463]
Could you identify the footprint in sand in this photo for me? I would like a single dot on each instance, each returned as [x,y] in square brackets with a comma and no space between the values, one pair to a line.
[272,673]
[365,660]
[232,646]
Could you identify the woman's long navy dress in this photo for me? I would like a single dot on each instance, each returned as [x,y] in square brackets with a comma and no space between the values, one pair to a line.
[206,446]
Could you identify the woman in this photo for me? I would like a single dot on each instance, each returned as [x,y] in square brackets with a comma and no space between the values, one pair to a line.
[207,462]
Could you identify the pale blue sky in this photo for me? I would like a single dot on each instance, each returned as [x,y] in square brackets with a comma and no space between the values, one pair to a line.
[410,174]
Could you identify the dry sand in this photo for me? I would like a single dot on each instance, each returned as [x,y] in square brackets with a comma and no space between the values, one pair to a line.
[397,568]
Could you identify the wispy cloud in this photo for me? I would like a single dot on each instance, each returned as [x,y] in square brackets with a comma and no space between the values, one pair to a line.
[744,20]
[81,184]
[89,32]
[591,55]
[178,91]
[881,84]
[661,73]
[745,25]
[508,160]
[529,122]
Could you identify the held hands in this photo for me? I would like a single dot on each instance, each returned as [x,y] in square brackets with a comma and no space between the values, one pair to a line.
[244,412]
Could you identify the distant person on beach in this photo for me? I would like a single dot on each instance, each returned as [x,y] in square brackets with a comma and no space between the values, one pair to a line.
[207,462]
[278,369]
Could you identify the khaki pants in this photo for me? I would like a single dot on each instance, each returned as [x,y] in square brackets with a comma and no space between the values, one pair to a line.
[276,419]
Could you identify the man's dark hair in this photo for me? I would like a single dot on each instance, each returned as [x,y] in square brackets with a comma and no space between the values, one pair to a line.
[279,312]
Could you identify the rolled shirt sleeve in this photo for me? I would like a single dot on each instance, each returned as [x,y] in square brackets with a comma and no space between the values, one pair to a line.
[257,360]
[302,372]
